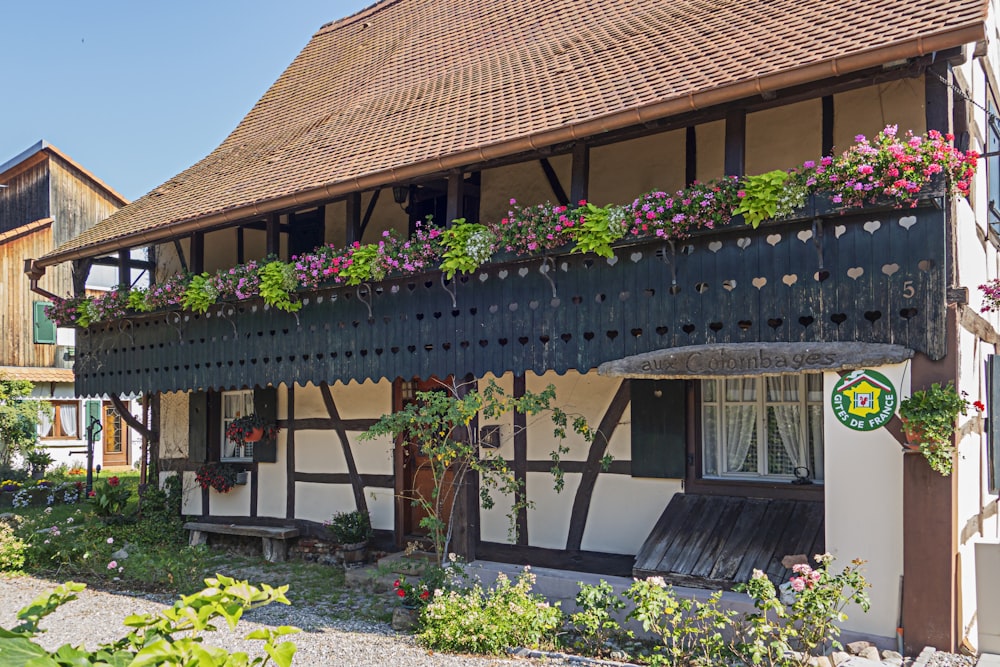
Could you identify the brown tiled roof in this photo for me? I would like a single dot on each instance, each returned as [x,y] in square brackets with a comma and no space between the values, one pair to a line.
[28,228]
[411,87]
[36,373]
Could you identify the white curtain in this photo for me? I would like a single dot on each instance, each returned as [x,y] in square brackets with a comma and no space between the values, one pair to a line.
[788,419]
[44,425]
[68,419]
[741,421]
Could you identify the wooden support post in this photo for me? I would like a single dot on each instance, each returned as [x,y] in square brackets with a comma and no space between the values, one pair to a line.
[827,141]
[81,272]
[180,254]
[240,246]
[579,186]
[124,269]
[353,218]
[690,155]
[273,232]
[736,142]
[454,208]
[197,252]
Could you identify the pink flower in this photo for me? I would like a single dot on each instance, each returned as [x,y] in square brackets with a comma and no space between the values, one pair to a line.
[798,584]
[112,565]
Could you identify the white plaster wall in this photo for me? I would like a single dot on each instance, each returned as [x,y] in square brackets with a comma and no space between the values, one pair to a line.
[309,403]
[785,136]
[524,182]
[548,522]
[236,502]
[621,172]
[864,505]
[372,457]
[272,478]
[868,110]
[318,502]
[362,401]
[711,140]
[191,495]
[381,507]
[577,394]
[318,451]
[174,425]
[623,511]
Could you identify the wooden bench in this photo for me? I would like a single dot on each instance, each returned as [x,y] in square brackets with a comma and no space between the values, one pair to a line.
[275,546]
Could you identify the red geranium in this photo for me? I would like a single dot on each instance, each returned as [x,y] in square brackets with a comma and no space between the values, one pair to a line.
[113,481]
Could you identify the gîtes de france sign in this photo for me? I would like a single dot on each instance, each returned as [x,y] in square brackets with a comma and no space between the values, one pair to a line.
[702,361]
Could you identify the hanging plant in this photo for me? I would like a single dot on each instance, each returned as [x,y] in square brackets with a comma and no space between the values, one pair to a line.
[929,423]
[277,282]
[600,228]
[250,428]
[200,294]
[467,247]
[219,476]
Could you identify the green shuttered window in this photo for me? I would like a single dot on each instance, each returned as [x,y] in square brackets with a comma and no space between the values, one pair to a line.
[45,330]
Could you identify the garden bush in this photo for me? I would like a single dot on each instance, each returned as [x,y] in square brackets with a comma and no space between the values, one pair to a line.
[490,621]
[12,550]
[595,623]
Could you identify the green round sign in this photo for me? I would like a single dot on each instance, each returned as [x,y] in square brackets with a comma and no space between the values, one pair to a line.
[864,400]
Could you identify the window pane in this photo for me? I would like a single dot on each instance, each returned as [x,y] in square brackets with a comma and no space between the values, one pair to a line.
[783,439]
[740,434]
[44,425]
[68,419]
[814,388]
[708,390]
[710,438]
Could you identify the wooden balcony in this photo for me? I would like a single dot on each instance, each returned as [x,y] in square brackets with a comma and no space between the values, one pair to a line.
[873,276]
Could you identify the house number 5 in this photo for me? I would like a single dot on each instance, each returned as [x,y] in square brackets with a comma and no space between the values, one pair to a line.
[908,290]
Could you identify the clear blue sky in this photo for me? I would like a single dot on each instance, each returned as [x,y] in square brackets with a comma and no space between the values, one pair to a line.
[137,91]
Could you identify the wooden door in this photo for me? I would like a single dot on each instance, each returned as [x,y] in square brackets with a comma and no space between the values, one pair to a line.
[115,438]
[414,476]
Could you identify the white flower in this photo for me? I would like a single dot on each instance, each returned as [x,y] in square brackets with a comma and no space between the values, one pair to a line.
[757,574]
[48,510]
[69,520]
[111,540]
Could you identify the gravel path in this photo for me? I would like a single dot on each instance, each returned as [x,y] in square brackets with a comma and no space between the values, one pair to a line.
[96,617]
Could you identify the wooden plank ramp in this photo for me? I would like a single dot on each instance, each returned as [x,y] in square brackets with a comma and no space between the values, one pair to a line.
[717,541]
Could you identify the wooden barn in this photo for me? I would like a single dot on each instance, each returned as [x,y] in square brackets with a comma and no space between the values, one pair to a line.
[47,199]
[708,363]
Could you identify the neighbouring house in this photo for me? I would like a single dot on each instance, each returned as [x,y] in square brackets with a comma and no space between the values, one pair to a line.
[710,363]
[47,199]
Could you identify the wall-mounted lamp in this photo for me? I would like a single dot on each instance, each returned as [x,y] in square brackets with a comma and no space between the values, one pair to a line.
[400,193]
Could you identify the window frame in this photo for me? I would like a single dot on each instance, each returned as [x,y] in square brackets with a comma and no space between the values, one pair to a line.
[57,421]
[247,456]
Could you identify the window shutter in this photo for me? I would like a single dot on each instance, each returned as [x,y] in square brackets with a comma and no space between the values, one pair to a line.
[265,404]
[45,329]
[93,411]
[198,426]
[658,428]
[993,422]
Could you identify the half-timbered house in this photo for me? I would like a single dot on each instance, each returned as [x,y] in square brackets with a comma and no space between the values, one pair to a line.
[708,364]
[46,199]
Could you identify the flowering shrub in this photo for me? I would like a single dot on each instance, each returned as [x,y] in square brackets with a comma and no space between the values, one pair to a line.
[528,229]
[490,621]
[702,205]
[110,498]
[9,485]
[218,476]
[888,166]
[413,595]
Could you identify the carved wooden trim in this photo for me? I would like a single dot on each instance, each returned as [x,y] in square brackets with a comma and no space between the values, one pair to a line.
[352,469]
[584,493]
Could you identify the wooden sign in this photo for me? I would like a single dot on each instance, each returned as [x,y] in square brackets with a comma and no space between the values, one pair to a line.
[754,359]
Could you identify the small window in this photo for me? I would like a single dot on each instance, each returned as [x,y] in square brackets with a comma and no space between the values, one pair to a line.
[993,165]
[763,428]
[63,424]
[235,404]
[44,328]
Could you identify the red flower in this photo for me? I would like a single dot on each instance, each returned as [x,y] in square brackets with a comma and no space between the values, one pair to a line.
[978,405]
[425,595]
[91,494]
[401,593]
[395,584]
[113,481]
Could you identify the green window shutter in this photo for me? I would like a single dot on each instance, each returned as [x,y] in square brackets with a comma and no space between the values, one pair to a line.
[198,426]
[45,329]
[265,404]
[659,448]
[94,412]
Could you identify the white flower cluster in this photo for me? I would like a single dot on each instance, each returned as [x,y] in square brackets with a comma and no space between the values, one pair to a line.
[480,246]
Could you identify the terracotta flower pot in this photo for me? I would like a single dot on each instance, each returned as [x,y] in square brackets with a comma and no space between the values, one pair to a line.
[255,435]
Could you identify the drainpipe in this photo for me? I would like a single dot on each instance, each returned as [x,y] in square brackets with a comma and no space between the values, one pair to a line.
[35,273]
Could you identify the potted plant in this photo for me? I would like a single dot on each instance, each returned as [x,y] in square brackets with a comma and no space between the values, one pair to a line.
[929,423]
[219,476]
[38,460]
[351,530]
[250,428]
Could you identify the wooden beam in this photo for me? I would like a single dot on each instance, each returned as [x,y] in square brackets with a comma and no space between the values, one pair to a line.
[273,231]
[579,185]
[455,207]
[180,254]
[736,142]
[598,448]
[240,246]
[115,261]
[124,270]
[368,214]
[130,419]
[326,424]
[197,252]
[81,272]
[345,444]
[827,120]
[353,225]
[553,178]
[690,155]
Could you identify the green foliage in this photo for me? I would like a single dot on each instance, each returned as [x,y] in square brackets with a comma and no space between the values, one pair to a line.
[929,418]
[467,245]
[595,622]
[490,621]
[172,637]
[110,498]
[438,424]
[277,282]
[12,549]
[19,417]
[600,228]
[199,295]
[760,195]
[363,265]
[350,527]
[137,300]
